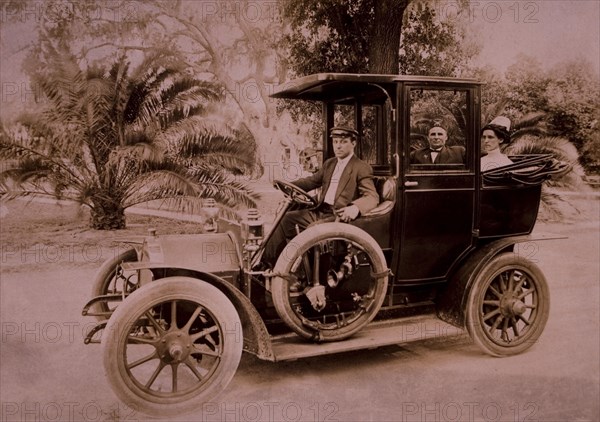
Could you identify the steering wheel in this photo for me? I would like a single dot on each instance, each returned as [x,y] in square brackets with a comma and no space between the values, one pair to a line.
[294,193]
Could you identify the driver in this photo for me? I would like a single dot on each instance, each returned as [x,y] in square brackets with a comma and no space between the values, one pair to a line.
[347,191]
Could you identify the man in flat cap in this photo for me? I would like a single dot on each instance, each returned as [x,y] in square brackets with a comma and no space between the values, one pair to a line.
[347,191]
[438,152]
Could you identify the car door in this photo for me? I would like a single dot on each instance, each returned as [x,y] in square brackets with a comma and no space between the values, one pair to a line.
[438,195]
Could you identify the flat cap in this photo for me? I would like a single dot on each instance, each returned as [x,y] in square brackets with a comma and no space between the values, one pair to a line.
[343,131]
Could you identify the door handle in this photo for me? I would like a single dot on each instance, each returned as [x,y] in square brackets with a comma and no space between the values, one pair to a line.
[410,183]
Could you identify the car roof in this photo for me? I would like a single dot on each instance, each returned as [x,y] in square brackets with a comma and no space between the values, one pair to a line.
[340,86]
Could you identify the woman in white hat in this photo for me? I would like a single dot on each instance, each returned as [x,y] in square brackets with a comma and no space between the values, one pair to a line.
[492,135]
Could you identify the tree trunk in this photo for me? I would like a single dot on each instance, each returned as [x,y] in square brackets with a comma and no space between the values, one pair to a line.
[384,52]
[107,216]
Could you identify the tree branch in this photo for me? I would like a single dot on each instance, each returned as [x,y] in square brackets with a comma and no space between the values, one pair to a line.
[86,51]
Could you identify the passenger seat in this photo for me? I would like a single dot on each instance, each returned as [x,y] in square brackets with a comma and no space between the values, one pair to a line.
[386,188]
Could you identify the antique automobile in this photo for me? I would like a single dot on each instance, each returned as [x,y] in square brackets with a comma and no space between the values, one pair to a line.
[444,244]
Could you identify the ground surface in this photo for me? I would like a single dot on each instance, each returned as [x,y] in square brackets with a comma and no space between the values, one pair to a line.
[47,373]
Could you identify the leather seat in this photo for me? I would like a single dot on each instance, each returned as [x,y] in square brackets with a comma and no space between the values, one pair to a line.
[386,188]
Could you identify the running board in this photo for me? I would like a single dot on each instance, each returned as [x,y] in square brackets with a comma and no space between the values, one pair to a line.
[376,334]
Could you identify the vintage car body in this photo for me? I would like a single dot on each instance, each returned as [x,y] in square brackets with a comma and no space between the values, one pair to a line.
[439,249]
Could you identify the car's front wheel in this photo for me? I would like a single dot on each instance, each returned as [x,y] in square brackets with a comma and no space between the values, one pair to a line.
[172,346]
[110,280]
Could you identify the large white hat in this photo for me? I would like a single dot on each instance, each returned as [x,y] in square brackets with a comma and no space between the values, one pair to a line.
[501,121]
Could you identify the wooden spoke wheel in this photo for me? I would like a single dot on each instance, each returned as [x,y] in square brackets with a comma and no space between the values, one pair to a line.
[508,305]
[172,346]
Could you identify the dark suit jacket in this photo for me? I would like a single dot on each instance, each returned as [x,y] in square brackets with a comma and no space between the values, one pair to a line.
[448,155]
[355,186]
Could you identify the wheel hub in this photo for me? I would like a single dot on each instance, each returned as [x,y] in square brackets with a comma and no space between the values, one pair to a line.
[518,307]
[174,347]
[511,306]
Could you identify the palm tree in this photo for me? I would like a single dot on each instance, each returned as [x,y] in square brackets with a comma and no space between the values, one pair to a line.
[113,138]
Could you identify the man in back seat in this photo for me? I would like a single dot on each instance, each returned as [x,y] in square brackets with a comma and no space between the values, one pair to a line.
[347,191]
[438,152]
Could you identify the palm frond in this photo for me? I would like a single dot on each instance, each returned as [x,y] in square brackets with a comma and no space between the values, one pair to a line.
[170,184]
[175,99]
[62,85]
[560,149]
[194,147]
[36,175]
[529,119]
[142,102]
[230,193]
[210,141]
[159,184]
[28,170]
[235,164]
[142,151]
[157,59]
[536,131]
[530,124]
[190,99]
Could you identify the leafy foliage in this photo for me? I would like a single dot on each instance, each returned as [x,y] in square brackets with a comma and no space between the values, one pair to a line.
[526,85]
[342,36]
[329,36]
[573,100]
[432,46]
[561,102]
[113,138]
[591,153]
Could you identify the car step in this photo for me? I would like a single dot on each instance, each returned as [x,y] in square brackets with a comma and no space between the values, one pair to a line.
[377,334]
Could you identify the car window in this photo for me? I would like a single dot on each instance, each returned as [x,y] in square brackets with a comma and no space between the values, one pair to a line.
[438,127]
[375,140]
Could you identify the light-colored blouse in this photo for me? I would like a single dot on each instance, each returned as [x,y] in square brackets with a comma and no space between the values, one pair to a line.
[494,159]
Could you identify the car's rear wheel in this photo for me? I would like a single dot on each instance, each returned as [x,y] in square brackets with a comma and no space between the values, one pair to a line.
[508,305]
[332,279]
[172,346]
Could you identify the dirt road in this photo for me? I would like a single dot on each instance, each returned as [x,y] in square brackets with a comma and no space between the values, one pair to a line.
[49,374]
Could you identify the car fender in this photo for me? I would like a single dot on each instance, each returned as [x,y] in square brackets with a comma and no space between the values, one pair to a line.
[212,258]
[452,298]
[255,335]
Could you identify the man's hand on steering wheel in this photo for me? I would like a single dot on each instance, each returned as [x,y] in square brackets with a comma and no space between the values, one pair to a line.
[293,192]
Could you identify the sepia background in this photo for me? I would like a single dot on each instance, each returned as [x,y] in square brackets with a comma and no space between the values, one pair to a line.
[540,61]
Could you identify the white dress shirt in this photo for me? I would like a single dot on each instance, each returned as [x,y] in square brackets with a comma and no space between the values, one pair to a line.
[335,179]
